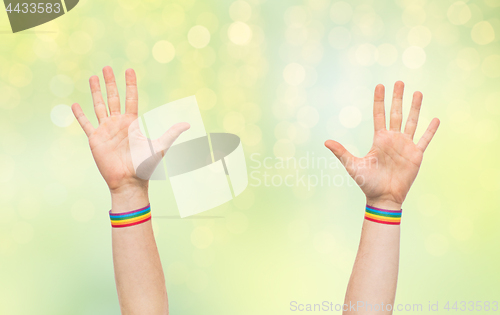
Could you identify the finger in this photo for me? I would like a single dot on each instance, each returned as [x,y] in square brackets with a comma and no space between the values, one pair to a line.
[412,121]
[428,134]
[111,91]
[340,152]
[165,141]
[378,108]
[99,106]
[131,98]
[82,119]
[397,106]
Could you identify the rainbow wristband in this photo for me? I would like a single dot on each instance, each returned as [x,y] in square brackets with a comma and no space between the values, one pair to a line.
[392,217]
[130,218]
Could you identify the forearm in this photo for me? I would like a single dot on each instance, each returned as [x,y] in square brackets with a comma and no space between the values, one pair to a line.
[138,272]
[116,144]
[385,175]
[375,272]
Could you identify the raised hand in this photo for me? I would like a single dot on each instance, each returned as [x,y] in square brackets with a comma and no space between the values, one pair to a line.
[110,141]
[387,172]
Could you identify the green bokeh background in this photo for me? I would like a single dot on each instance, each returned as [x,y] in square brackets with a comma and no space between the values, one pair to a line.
[284,76]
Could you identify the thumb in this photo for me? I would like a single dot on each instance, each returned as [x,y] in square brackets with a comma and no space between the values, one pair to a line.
[165,141]
[340,152]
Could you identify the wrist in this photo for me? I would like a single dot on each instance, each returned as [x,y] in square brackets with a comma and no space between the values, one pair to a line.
[127,198]
[383,212]
[387,204]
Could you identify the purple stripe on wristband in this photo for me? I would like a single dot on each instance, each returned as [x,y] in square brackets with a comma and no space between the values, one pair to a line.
[129,212]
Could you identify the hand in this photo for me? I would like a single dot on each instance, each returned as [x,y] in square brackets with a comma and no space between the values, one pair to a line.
[387,172]
[110,141]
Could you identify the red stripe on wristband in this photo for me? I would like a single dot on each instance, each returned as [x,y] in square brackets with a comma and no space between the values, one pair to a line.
[383,222]
[130,224]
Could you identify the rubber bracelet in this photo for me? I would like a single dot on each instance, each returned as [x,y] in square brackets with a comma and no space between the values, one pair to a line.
[130,218]
[392,217]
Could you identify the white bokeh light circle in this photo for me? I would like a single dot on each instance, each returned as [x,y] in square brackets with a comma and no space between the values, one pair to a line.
[414,15]
[61,115]
[233,122]
[206,98]
[198,36]
[414,57]
[296,16]
[419,36]
[239,33]
[294,74]
[341,12]
[163,51]
[350,117]
[483,33]
[240,11]
[459,13]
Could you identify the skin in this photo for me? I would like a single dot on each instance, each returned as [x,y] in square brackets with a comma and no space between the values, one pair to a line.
[385,176]
[138,272]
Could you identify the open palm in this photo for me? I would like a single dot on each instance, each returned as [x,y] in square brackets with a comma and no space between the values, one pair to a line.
[110,141]
[387,172]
